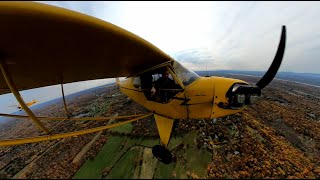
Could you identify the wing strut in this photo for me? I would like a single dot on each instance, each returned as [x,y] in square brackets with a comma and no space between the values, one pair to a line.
[72,118]
[64,99]
[16,93]
[9,142]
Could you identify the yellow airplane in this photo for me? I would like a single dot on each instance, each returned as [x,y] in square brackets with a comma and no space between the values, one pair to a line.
[27,104]
[44,45]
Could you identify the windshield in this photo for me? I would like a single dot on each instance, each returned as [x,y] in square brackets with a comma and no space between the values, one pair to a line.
[185,75]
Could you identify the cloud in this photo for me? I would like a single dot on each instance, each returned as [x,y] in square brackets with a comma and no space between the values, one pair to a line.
[194,56]
[235,35]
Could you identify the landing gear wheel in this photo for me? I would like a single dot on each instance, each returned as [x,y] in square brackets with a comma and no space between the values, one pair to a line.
[162,154]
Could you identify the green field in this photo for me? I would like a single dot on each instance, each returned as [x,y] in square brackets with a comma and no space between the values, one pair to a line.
[120,152]
[125,128]
[92,169]
[125,166]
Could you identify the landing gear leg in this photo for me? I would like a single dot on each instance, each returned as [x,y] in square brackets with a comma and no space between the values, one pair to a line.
[161,152]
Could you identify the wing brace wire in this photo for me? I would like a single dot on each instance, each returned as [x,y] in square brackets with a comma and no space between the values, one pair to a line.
[9,142]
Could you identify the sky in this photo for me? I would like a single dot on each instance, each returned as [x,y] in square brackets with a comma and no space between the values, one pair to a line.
[48,93]
[240,35]
[216,35]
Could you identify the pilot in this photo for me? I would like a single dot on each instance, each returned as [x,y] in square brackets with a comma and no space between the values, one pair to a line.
[161,88]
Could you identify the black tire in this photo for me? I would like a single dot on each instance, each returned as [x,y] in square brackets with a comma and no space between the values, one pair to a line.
[162,154]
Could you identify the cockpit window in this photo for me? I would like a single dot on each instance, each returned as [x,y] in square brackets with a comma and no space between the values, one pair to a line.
[185,75]
[158,85]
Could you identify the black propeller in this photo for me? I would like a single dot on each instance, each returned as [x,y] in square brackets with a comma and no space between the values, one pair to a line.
[273,69]
[240,94]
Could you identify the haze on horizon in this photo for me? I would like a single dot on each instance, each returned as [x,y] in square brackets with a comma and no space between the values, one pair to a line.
[216,35]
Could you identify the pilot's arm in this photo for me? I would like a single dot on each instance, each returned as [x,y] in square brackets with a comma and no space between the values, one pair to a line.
[153,89]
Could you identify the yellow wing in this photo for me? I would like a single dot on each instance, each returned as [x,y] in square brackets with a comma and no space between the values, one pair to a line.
[44,45]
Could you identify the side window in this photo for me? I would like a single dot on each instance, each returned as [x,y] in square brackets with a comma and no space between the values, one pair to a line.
[155,77]
[159,86]
[137,82]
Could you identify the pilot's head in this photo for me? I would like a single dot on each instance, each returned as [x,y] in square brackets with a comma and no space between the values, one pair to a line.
[165,73]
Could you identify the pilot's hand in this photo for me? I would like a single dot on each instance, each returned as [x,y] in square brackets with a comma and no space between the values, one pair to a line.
[153,91]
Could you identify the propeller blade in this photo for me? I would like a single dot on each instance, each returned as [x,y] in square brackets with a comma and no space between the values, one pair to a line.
[273,69]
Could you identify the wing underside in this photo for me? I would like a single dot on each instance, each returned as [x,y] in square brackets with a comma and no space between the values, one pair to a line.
[43,45]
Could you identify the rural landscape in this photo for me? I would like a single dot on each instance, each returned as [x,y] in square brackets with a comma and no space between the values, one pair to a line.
[278,137]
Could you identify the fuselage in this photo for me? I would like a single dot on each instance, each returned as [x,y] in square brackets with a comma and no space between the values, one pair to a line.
[197,100]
